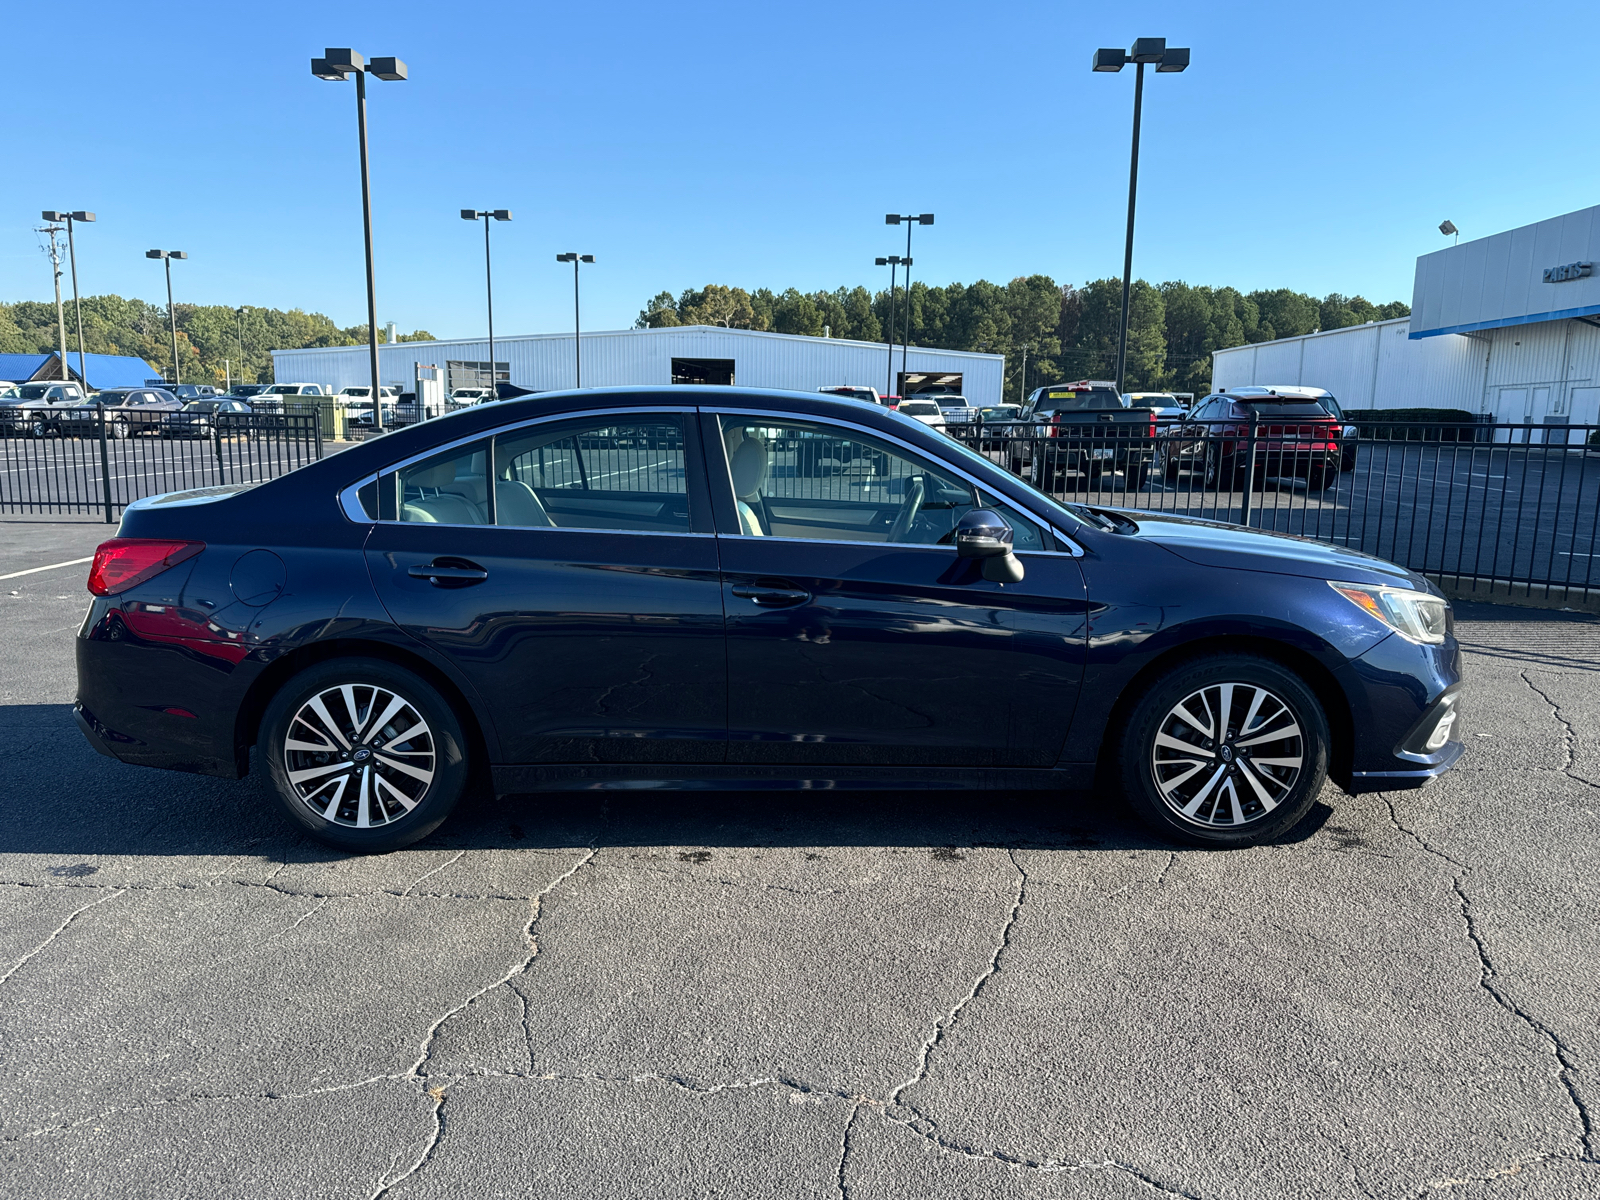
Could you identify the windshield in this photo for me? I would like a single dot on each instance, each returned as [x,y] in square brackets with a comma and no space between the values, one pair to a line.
[33,391]
[919,408]
[201,406]
[1002,412]
[248,389]
[283,389]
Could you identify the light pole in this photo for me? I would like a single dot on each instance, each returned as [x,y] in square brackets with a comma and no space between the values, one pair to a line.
[573,257]
[339,64]
[908,219]
[239,315]
[166,256]
[1168,61]
[1446,227]
[498,214]
[1022,396]
[892,261]
[61,318]
[72,257]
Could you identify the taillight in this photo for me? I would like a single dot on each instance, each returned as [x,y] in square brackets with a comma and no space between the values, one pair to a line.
[123,563]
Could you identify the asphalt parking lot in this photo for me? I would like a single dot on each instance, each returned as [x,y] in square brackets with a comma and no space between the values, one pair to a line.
[655,994]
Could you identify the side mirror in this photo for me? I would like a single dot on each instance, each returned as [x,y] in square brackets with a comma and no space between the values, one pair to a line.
[984,534]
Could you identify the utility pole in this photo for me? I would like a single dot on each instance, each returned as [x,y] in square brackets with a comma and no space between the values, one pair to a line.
[61,313]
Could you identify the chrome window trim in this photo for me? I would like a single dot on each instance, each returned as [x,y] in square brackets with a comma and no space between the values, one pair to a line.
[1073,550]
[351,505]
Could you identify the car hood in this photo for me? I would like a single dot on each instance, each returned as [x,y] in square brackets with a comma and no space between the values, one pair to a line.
[1211,544]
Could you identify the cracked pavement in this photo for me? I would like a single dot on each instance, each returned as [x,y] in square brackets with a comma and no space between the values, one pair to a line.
[817,994]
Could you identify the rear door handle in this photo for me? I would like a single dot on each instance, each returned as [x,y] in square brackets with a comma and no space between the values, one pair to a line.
[449,572]
[771,597]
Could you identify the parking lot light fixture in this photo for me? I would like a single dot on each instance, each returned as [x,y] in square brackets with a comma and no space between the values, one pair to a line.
[908,220]
[495,214]
[892,261]
[573,257]
[166,256]
[70,219]
[1167,60]
[337,65]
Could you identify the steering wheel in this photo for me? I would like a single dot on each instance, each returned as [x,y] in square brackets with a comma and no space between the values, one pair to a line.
[909,508]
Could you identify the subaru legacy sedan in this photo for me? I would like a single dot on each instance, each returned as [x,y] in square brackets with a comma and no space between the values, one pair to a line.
[634,587]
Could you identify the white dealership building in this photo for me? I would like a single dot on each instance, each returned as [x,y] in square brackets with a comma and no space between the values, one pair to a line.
[651,357]
[1507,325]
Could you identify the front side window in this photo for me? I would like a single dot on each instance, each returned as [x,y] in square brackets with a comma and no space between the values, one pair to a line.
[803,479]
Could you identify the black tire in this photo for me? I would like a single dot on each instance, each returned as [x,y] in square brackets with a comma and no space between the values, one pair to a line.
[1235,789]
[38,429]
[372,681]
[120,430]
[1135,475]
[1222,473]
[1347,459]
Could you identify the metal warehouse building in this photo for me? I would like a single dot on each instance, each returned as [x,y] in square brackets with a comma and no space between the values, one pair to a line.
[1507,325]
[689,354]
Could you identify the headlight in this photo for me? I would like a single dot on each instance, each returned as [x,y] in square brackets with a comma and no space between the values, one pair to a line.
[1415,616]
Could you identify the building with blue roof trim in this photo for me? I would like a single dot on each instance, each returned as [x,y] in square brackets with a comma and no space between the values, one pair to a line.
[105,370]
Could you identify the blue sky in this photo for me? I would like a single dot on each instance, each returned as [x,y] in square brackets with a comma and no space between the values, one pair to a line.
[1308,146]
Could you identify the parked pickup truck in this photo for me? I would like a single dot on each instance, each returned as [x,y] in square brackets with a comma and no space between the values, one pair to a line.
[1084,428]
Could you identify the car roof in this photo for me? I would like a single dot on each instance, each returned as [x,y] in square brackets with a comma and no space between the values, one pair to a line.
[1292,391]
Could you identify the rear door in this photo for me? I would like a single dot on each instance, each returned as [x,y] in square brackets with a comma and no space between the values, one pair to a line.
[567,569]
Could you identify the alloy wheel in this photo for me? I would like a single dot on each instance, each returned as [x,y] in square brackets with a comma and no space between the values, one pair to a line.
[1227,755]
[359,755]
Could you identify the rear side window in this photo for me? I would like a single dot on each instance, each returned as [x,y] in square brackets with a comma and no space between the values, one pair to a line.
[595,474]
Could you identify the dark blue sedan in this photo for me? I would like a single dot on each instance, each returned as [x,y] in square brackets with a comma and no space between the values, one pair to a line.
[706,587]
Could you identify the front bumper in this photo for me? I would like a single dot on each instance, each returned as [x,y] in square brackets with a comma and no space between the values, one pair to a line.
[1407,708]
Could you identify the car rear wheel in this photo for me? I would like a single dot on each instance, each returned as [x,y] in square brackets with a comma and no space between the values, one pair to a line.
[38,428]
[365,756]
[1228,750]
[119,430]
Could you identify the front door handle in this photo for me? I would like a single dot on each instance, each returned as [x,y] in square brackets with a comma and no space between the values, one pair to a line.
[449,572]
[768,596]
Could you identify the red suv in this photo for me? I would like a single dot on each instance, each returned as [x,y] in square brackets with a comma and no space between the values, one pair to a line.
[1295,437]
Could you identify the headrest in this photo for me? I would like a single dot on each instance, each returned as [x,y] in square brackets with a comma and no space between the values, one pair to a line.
[441,474]
[748,465]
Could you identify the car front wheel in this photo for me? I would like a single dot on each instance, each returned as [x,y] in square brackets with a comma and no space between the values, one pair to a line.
[1228,750]
[365,756]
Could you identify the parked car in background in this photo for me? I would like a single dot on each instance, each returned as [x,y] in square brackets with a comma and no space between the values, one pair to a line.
[282,397]
[1085,428]
[33,409]
[472,599]
[471,395]
[957,409]
[200,418]
[1296,437]
[925,410]
[128,411]
[1347,433]
[188,391]
[363,391]
[852,391]
[1165,405]
[246,391]
[1004,418]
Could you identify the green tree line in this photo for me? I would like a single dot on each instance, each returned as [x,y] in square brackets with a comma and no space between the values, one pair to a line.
[214,340]
[1069,332]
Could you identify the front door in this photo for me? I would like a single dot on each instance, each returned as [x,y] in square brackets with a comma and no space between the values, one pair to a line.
[567,569]
[854,635]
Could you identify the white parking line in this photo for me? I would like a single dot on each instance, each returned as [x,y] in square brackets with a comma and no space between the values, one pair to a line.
[52,567]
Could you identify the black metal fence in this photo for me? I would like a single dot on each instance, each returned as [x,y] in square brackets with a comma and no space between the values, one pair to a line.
[1480,506]
[93,460]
